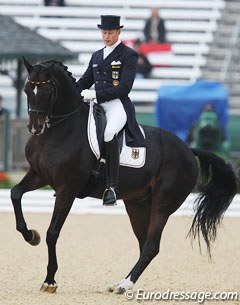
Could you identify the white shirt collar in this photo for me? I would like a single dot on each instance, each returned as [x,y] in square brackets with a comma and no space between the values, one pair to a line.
[108,49]
[113,46]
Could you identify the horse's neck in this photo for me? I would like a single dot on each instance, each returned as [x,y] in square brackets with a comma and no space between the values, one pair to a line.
[68,101]
[66,92]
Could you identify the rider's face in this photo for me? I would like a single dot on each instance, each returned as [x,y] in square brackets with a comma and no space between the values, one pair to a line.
[110,36]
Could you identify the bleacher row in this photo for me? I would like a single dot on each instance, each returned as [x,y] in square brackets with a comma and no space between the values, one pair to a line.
[190,28]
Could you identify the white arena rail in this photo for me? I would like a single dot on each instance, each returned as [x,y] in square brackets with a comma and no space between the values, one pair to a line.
[40,201]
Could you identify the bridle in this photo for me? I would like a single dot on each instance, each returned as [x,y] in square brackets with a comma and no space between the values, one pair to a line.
[50,119]
[39,83]
[51,98]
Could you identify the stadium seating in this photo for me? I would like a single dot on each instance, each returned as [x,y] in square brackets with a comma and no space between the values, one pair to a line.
[190,29]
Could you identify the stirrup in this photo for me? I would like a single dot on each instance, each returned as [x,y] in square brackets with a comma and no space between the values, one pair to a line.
[109,197]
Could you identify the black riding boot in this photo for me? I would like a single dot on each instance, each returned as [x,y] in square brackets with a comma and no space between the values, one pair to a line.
[112,169]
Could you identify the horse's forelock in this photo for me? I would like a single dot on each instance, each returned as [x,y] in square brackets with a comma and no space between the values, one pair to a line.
[38,68]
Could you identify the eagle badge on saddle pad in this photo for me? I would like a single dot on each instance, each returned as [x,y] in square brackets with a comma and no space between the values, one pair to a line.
[135,153]
[129,156]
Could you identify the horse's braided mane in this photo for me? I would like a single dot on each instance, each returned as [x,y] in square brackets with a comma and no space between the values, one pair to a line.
[64,68]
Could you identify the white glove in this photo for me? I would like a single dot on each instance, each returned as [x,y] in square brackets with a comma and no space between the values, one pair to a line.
[88,95]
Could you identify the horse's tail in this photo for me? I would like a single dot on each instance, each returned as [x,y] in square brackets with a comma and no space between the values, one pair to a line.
[220,184]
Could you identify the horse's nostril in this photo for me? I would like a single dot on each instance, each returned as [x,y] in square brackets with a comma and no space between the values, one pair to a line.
[39,128]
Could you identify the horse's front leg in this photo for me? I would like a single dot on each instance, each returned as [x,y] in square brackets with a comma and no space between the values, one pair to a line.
[29,182]
[63,204]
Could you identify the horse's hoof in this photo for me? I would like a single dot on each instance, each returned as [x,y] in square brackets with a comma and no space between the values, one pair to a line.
[114,287]
[49,288]
[120,290]
[111,289]
[35,238]
[117,290]
[123,286]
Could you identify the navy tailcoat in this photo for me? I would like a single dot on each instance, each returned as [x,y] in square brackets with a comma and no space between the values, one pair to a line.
[113,78]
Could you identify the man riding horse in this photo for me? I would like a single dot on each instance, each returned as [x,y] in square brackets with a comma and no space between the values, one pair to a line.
[112,70]
[59,155]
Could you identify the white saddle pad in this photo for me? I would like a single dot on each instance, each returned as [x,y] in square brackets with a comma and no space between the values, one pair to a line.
[130,156]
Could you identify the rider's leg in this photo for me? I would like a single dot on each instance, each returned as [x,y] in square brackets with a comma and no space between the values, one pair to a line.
[112,170]
[116,119]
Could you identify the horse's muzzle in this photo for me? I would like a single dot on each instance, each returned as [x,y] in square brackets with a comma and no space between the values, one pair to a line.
[36,129]
[37,123]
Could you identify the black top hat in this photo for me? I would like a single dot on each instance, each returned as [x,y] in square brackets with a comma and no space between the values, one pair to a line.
[110,22]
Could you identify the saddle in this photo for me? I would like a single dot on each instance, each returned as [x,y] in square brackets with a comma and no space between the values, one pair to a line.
[129,156]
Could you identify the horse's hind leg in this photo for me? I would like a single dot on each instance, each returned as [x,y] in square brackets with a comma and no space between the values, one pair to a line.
[139,212]
[164,203]
[150,248]
[29,182]
[149,251]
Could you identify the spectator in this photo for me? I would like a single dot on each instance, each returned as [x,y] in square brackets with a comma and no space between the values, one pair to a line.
[208,134]
[144,67]
[154,30]
[54,3]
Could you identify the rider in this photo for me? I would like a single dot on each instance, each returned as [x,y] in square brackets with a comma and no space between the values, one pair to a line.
[112,70]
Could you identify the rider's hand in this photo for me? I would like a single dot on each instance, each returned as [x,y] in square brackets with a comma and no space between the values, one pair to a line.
[88,95]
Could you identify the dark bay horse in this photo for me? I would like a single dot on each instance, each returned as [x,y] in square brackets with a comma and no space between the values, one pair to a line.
[59,155]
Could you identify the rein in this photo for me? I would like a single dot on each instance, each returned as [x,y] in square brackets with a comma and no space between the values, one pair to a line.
[59,118]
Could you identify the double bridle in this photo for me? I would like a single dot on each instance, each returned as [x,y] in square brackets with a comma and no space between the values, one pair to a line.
[51,98]
[50,120]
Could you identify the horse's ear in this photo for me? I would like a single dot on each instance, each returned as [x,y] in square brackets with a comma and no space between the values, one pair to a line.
[27,65]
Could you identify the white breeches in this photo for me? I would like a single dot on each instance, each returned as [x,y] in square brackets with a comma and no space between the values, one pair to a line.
[116,118]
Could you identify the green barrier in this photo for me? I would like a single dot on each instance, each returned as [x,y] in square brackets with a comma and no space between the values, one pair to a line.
[234,131]
[233,128]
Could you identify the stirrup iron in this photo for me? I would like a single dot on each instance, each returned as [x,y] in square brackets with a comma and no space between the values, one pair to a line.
[109,197]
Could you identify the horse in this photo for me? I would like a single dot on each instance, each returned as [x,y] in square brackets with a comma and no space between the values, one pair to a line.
[59,155]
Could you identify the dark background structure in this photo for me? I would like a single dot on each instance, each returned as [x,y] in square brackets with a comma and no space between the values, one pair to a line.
[17,41]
